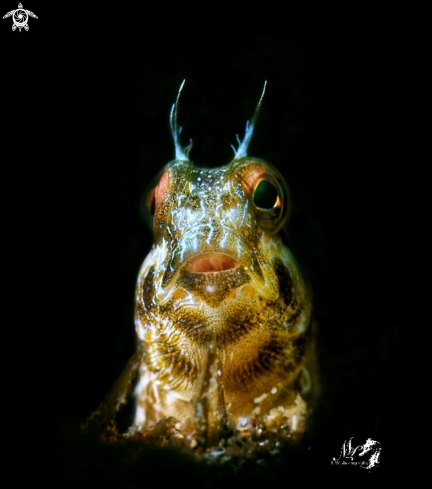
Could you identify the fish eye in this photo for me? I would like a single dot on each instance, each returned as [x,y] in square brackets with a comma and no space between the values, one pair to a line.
[266,191]
[148,205]
[265,195]
[153,196]
[155,192]
[151,202]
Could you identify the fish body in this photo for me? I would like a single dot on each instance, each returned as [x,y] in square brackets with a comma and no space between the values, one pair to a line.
[219,279]
[222,310]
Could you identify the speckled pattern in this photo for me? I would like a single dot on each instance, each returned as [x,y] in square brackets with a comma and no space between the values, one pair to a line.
[222,312]
[252,312]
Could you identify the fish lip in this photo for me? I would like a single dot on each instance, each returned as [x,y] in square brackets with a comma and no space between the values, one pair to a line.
[229,245]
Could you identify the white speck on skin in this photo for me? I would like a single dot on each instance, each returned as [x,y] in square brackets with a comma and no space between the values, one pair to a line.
[217,453]
[242,422]
[281,409]
[261,398]
[274,390]
[219,373]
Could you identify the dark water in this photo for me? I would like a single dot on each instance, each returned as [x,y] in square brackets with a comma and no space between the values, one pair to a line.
[86,105]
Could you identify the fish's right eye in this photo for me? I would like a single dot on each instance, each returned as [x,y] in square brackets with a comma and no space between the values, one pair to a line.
[151,202]
[154,195]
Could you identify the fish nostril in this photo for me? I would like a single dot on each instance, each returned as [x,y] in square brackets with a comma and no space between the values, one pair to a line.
[211,262]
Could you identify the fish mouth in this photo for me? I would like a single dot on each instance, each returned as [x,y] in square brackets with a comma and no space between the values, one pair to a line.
[200,251]
[211,262]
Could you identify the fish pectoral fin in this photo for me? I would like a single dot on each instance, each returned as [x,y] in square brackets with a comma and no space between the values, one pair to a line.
[103,416]
[209,403]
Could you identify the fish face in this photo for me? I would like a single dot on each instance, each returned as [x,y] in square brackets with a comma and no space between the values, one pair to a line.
[215,228]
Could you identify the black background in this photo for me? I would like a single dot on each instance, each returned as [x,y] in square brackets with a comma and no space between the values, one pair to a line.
[86,101]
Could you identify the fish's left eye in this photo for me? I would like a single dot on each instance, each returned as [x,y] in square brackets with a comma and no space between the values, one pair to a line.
[265,195]
[266,191]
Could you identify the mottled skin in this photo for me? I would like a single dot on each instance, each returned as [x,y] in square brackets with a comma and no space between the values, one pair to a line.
[220,301]
[222,311]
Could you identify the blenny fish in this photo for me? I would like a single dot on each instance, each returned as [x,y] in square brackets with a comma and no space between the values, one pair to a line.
[222,310]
